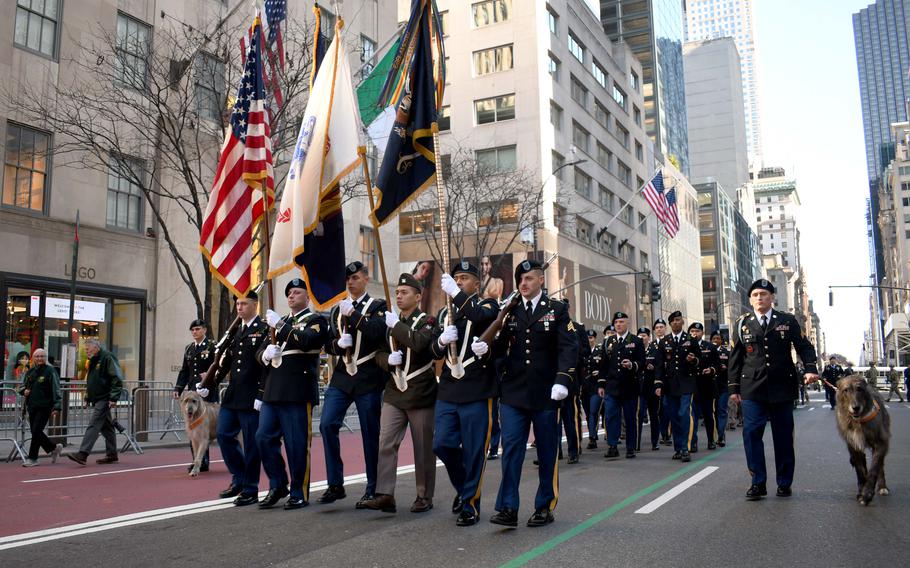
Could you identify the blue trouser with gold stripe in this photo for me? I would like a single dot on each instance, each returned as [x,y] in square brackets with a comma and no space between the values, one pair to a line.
[516,425]
[570,416]
[292,421]
[679,410]
[461,441]
[618,409]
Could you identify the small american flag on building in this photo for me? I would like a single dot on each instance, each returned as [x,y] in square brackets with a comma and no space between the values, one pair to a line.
[244,173]
[672,224]
[653,193]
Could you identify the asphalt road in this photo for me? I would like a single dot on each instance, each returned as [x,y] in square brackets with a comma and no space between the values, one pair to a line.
[707,524]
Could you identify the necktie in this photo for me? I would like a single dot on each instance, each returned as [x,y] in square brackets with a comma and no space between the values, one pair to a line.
[529,308]
[764,323]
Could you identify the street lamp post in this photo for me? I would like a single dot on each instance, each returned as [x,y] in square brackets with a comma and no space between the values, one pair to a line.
[536,219]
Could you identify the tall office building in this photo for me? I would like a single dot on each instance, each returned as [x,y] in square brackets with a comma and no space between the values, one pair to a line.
[883,61]
[711,19]
[654,31]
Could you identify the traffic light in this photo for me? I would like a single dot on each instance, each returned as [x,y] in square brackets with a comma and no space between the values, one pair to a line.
[655,290]
[830,297]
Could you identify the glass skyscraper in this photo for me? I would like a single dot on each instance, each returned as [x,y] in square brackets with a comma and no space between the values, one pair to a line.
[653,29]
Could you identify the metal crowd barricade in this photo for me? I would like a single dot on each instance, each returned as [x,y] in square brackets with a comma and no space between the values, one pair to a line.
[13,425]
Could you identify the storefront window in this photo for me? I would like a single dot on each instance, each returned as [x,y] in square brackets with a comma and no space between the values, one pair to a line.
[22,332]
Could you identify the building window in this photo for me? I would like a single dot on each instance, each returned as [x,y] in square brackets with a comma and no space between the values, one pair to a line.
[905,201]
[625,174]
[444,22]
[580,137]
[555,116]
[633,80]
[132,52]
[210,84]
[627,252]
[642,226]
[553,67]
[493,60]
[639,152]
[559,215]
[645,261]
[599,74]
[327,24]
[491,12]
[494,109]
[579,92]
[418,222]
[582,183]
[501,159]
[606,198]
[623,135]
[626,212]
[497,213]
[602,115]
[576,48]
[558,162]
[619,96]
[636,113]
[907,234]
[445,118]
[553,22]
[608,243]
[905,186]
[903,170]
[36,25]
[604,157]
[25,172]
[367,53]
[124,194]
[368,255]
[584,231]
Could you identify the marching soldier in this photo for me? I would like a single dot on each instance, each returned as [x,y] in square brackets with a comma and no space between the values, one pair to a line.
[703,404]
[197,358]
[763,377]
[660,330]
[541,351]
[359,321]
[291,390]
[410,396]
[624,358]
[649,404]
[593,401]
[832,373]
[720,380]
[240,407]
[676,369]
[570,411]
[468,387]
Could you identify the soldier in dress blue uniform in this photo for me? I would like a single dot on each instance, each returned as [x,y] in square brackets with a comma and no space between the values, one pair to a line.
[649,404]
[720,380]
[659,330]
[240,407]
[677,369]
[705,393]
[358,379]
[291,390]
[570,410]
[618,383]
[541,350]
[593,402]
[763,377]
[197,358]
[465,405]
[832,373]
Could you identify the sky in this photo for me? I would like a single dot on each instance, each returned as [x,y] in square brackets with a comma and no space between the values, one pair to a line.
[812,126]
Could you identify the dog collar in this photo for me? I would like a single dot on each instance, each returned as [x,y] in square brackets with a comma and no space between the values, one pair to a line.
[872,413]
[195,423]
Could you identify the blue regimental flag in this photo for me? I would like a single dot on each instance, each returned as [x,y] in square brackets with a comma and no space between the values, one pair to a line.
[409,162]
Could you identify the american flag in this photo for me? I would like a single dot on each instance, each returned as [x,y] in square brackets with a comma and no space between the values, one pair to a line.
[654,195]
[672,224]
[236,205]
[275,12]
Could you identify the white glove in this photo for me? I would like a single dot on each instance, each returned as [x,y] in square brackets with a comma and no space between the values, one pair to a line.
[479,347]
[270,352]
[449,335]
[391,318]
[203,392]
[449,286]
[396,357]
[257,405]
[272,318]
[346,307]
[345,341]
[559,392]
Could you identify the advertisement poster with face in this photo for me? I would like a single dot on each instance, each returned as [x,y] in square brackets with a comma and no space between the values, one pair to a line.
[562,288]
[599,298]
[496,279]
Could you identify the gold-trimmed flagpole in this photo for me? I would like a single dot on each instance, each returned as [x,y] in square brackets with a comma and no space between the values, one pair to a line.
[444,229]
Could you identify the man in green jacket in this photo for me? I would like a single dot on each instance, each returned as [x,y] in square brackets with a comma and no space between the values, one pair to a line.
[104,383]
[41,389]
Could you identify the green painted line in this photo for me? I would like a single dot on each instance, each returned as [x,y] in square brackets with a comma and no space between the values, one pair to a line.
[607,513]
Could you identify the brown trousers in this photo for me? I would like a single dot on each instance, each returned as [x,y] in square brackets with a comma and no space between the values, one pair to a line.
[392,424]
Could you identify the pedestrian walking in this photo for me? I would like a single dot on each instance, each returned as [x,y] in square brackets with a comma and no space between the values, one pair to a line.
[894,379]
[41,389]
[103,386]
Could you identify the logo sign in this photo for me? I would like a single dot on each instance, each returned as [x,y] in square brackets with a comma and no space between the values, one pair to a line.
[59,308]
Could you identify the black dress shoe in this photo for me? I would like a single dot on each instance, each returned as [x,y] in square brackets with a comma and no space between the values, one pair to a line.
[630,454]
[612,452]
[332,494]
[273,496]
[231,491]
[721,442]
[756,492]
[677,455]
[493,456]
[506,518]
[712,446]
[685,456]
[572,460]
[592,444]
[204,467]
[784,491]
[541,517]
[457,505]
[244,500]
[655,448]
[693,449]
[295,503]
[361,504]
[466,518]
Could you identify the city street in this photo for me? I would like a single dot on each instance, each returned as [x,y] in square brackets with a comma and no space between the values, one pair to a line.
[650,511]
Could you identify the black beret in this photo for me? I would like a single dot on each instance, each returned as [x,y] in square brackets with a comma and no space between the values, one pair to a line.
[527,266]
[659,320]
[762,284]
[407,279]
[644,330]
[674,315]
[295,283]
[465,267]
[696,325]
[353,268]
[610,327]
[619,315]
[717,333]
[252,295]
[198,323]
[592,333]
